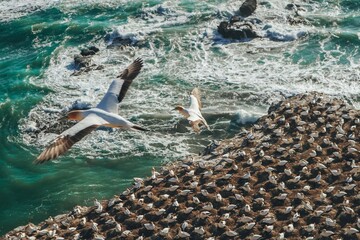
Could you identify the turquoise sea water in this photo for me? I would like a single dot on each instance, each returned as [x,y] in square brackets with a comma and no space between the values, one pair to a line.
[181,49]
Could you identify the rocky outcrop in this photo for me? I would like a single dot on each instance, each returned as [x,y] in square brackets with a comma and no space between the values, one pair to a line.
[242,27]
[238,27]
[237,30]
[92,50]
[294,174]
[83,62]
[247,8]
[296,17]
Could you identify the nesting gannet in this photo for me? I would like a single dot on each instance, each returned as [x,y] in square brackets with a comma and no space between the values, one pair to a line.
[104,114]
[193,113]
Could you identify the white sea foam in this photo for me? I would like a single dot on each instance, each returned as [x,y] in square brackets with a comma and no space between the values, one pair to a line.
[238,80]
[12,9]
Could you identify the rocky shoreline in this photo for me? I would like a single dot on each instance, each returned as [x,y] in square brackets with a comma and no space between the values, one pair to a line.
[295,173]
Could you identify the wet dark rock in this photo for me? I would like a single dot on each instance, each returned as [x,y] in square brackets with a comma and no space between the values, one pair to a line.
[248,7]
[239,27]
[123,41]
[292,6]
[296,17]
[235,18]
[89,51]
[294,20]
[162,10]
[237,30]
[81,61]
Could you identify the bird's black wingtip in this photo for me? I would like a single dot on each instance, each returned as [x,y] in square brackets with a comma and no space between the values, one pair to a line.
[139,61]
[140,128]
[38,161]
[132,70]
[42,158]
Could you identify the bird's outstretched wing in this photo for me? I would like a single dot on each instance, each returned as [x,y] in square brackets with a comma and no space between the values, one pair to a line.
[66,139]
[119,87]
[195,101]
[128,75]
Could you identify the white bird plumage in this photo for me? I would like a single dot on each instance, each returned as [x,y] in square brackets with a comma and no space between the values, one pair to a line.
[193,113]
[104,114]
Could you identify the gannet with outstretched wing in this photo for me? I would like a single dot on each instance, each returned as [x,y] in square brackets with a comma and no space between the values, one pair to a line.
[104,114]
[193,113]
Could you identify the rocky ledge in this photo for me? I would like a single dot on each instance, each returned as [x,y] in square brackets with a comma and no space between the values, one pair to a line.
[294,174]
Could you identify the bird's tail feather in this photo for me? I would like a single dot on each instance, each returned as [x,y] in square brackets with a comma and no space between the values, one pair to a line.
[137,127]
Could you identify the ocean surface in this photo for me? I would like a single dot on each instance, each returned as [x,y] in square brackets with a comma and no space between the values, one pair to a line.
[181,49]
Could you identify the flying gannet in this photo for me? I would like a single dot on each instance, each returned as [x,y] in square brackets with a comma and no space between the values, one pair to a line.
[193,113]
[104,114]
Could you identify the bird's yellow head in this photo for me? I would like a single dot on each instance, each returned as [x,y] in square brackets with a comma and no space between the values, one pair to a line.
[75,115]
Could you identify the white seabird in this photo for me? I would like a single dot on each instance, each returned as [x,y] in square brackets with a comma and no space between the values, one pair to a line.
[193,113]
[104,114]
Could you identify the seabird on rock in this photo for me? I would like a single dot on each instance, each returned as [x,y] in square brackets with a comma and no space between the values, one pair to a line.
[193,113]
[104,114]
[287,195]
[164,231]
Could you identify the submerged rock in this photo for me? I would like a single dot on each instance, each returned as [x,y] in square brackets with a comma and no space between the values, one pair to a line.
[296,18]
[294,174]
[123,41]
[155,12]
